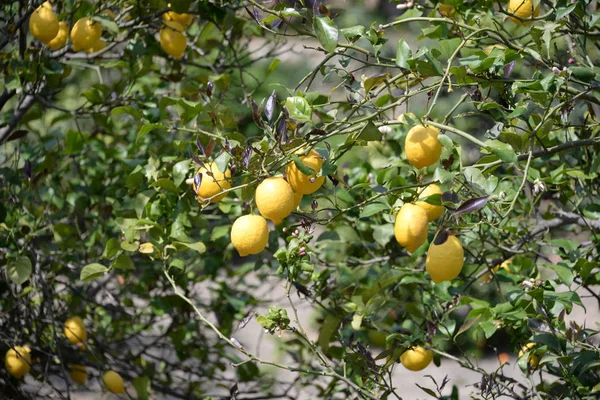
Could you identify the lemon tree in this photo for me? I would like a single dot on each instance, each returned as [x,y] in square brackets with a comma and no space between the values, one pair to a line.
[336,200]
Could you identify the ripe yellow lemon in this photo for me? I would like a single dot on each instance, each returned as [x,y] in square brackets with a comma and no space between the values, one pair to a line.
[18,361]
[522,9]
[249,234]
[43,23]
[275,199]
[172,40]
[113,382]
[410,228]
[61,37]
[305,184]
[85,33]
[211,186]
[184,19]
[533,359]
[297,199]
[75,331]
[78,373]
[505,265]
[422,146]
[445,261]
[447,10]
[417,358]
[99,45]
[433,211]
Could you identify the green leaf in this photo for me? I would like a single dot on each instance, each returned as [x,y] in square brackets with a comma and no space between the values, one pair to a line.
[305,169]
[222,161]
[166,184]
[370,82]
[142,384]
[147,128]
[272,67]
[93,95]
[403,54]
[180,172]
[427,390]
[504,151]
[327,32]
[410,13]
[449,46]
[123,262]
[111,248]
[299,108]
[130,246]
[372,209]
[140,201]
[73,142]
[584,74]
[92,271]
[562,12]
[180,6]
[110,25]
[369,133]
[353,33]
[19,269]
[474,176]
[219,232]
[563,271]
[198,246]
[443,176]
[290,12]
[383,233]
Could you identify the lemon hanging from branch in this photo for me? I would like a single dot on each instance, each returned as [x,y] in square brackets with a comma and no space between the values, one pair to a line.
[43,23]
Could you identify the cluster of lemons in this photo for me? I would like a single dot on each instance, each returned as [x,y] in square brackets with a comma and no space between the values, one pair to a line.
[444,261]
[522,11]
[86,34]
[276,197]
[18,359]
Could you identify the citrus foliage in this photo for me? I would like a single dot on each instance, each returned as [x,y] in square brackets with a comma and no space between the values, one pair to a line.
[419,153]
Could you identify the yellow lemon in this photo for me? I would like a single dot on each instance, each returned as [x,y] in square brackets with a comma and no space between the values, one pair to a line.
[411,227]
[305,184]
[275,199]
[61,37]
[505,265]
[522,9]
[78,373]
[445,261]
[43,23]
[433,211]
[172,40]
[297,199]
[533,360]
[417,358]
[422,146]
[75,331]
[18,361]
[211,186]
[447,10]
[184,19]
[85,33]
[113,382]
[99,45]
[249,234]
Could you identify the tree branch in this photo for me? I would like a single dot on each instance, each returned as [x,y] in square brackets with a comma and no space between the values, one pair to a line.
[24,106]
